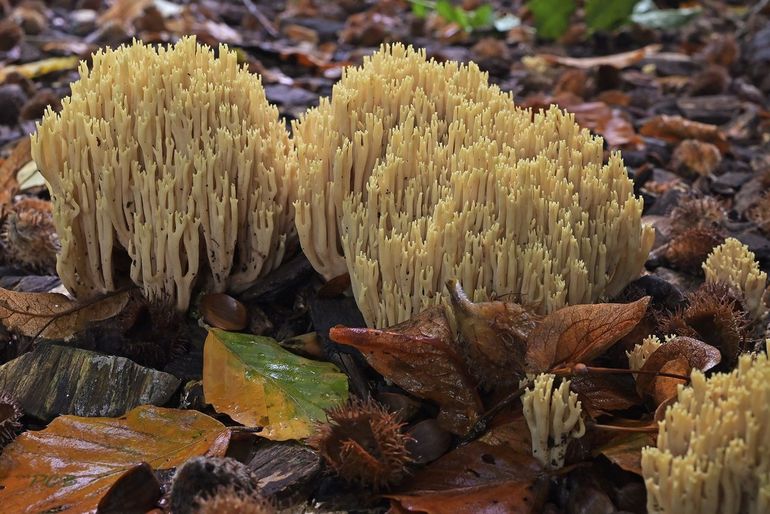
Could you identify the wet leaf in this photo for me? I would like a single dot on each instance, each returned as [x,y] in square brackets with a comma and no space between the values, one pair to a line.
[476,478]
[679,356]
[494,336]
[626,450]
[676,128]
[416,356]
[74,461]
[53,315]
[580,333]
[259,384]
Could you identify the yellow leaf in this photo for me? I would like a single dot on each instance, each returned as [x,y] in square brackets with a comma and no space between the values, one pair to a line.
[257,383]
[35,69]
[68,466]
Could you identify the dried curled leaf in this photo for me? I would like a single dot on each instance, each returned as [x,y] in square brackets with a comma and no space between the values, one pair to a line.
[580,333]
[53,315]
[494,337]
[676,128]
[417,356]
[679,356]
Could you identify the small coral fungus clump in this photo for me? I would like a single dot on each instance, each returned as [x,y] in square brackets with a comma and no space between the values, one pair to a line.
[733,264]
[170,159]
[712,451]
[554,418]
[363,443]
[416,171]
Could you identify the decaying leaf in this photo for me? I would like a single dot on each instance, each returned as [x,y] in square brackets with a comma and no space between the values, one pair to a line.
[600,394]
[20,156]
[53,315]
[494,337]
[476,478]
[259,384]
[73,462]
[625,450]
[417,356]
[679,356]
[580,333]
[676,128]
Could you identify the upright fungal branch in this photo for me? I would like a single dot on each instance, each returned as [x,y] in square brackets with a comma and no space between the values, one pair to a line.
[553,417]
[713,455]
[415,172]
[174,159]
[732,263]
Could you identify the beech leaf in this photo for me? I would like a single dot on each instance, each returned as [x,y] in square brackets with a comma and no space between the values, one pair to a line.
[475,478]
[256,382]
[680,356]
[74,461]
[494,335]
[53,315]
[580,333]
[410,355]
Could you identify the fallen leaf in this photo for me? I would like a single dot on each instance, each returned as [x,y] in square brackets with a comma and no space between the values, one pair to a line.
[600,394]
[416,356]
[259,384]
[72,463]
[124,11]
[20,156]
[695,157]
[608,122]
[580,333]
[494,337]
[35,69]
[621,60]
[475,478]
[53,315]
[625,450]
[676,128]
[680,356]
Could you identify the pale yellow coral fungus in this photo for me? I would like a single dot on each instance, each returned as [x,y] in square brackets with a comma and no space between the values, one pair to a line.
[554,417]
[415,172]
[713,448]
[175,158]
[733,263]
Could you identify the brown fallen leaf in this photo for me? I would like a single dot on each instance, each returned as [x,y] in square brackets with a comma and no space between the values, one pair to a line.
[625,450]
[476,478]
[494,337]
[676,128]
[20,156]
[621,60]
[600,394]
[679,356]
[695,157]
[124,11]
[73,462]
[417,356]
[580,333]
[53,315]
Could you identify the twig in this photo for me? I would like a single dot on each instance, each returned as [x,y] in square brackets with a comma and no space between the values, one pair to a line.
[261,18]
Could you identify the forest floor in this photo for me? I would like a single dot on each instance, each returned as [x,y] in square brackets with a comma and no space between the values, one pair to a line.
[681,91]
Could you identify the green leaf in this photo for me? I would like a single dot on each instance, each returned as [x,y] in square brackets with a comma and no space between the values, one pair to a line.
[446,10]
[608,14]
[551,16]
[646,14]
[258,383]
[419,9]
[482,17]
